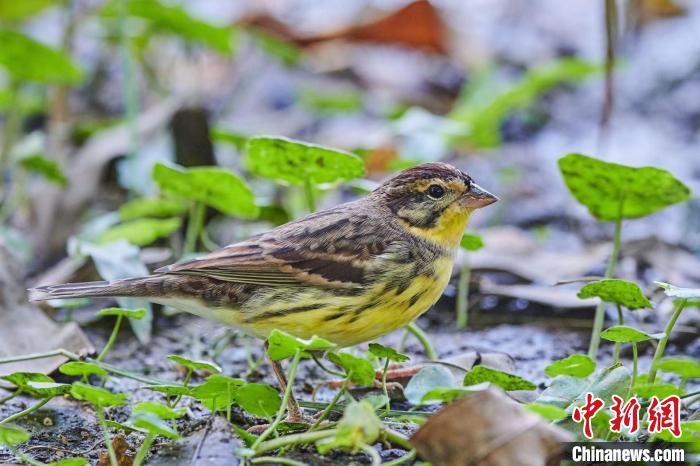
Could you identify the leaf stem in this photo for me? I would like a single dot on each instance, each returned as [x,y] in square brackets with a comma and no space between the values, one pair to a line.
[621,321]
[8,398]
[42,355]
[112,338]
[285,399]
[376,459]
[463,296]
[105,433]
[661,347]
[634,363]
[184,384]
[423,339]
[387,407]
[599,318]
[304,437]
[330,406]
[277,460]
[195,224]
[407,457]
[310,195]
[144,449]
[26,411]
[397,439]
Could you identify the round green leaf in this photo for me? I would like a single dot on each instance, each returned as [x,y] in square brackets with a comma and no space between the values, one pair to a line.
[359,370]
[446,395]
[118,311]
[70,462]
[218,391]
[426,380]
[625,334]
[471,242]
[97,396]
[678,292]
[259,400]
[660,390]
[151,207]
[217,187]
[282,345]
[28,60]
[295,162]
[12,435]
[359,426]
[506,381]
[142,231]
[49,169]
[685,367]
[601,186]
[195,365]
[153,424]
[622,292]
[174,390]
[576,365]
[21,379]
[391,354]
[49,389]
[159,409]
[81,369]
[549,412]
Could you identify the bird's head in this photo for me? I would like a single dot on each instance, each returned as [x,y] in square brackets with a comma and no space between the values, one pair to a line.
[434,201]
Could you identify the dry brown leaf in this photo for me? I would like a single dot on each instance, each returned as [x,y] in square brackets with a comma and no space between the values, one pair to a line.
[488,428]
[121,448]
[25,329]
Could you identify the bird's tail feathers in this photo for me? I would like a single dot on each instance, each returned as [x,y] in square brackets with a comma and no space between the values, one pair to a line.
[118,288]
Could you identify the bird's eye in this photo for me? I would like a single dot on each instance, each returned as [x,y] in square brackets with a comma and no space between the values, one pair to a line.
[436,191]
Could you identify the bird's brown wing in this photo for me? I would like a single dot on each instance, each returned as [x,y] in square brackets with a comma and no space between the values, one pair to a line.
[328,249]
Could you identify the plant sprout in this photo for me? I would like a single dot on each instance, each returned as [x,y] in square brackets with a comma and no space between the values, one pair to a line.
[613,192]
[389,354]
[470,242]
[299,163]
[625,334]
[206,186]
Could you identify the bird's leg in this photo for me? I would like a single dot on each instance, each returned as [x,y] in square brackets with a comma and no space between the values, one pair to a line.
[293,411]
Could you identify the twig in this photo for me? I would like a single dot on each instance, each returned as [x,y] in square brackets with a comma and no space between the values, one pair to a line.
[197,450]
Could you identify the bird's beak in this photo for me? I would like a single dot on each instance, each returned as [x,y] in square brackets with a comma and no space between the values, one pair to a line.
[477,197]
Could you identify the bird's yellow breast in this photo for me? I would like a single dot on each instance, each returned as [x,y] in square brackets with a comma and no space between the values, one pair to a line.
[348,320]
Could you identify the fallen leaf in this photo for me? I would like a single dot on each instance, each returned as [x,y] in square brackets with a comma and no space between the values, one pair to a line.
[488,428]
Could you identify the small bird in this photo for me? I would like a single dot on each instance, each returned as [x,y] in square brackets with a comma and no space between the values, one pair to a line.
[348,274]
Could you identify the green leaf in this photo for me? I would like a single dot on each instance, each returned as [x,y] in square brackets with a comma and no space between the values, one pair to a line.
[601,186]
[49,169]
[79,368]
[359,426]
[216,187]
[173,390]
[471,242]
[295,162]
[49,389]
[565,391]
[22,379]
[622,292]
[690,436]
[118,311]
[70,462]
[358,370]
[141,232]
[576,365]
[287,52]
[685,367]
[11,435]
[625,334]
[426,380]
[18,11]
[217,392]
[151,207]
[549,412]
[159,409]
[28,60]
[506,381]
[659,389]
[237,140]
[282,345]
[678,292]
[259,400]
[173,19]
[97,396]
[391,354]
[195,365]
[447,395]
[483,108]
[153,424]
